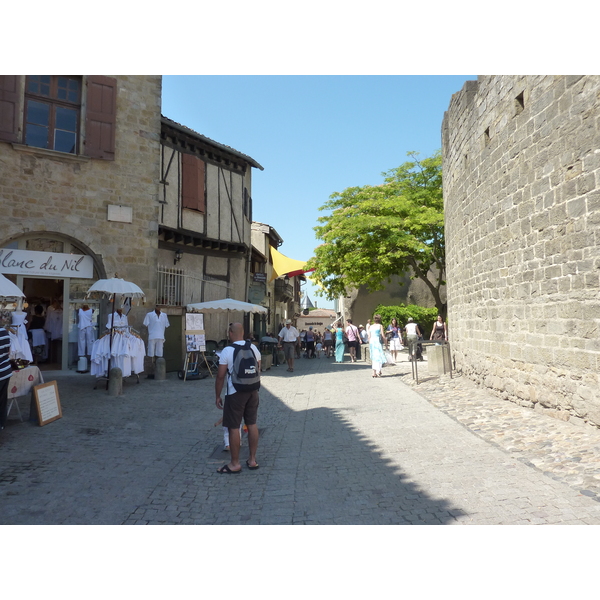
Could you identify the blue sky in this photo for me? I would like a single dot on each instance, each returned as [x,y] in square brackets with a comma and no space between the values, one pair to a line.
[313,134]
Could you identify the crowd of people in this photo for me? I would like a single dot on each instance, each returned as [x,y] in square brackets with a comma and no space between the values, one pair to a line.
[359,342]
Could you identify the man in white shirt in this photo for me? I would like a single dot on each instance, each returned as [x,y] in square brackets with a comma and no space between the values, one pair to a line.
[290,337]
[412,335]
[237,404]
[156,322]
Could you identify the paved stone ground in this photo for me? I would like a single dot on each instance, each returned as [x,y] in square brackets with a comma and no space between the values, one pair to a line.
[336,447]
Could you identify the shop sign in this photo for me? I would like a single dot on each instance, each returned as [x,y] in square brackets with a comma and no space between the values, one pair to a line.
[49,264]
[260,277]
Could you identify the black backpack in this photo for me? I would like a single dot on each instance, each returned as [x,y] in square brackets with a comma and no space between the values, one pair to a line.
[245,375]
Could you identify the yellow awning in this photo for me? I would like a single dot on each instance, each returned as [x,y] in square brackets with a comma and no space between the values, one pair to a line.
[282,265]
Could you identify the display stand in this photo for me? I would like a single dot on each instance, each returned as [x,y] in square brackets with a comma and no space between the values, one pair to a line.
[195,342]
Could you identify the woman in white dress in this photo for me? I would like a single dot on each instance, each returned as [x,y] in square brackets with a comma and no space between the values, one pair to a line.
[375,346]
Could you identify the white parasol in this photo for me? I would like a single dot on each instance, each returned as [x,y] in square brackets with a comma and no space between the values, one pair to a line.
[8,290]
[226,305]
[116,286]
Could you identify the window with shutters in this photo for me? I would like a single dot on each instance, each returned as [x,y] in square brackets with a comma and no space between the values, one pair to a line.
[52,112]
[193,192]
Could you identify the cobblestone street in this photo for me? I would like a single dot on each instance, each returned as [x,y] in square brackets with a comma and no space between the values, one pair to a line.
[336,447]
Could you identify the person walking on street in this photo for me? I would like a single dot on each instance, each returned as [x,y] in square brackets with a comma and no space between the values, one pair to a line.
[395,341]
[439,333]
[237,404]
[327,342]
[309,340]
[376,346]
[290,338]
[364,336]
[412,336]
[353,336]
[339,343]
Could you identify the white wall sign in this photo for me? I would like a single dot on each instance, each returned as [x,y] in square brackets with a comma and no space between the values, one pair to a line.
[124,214]
[50,264]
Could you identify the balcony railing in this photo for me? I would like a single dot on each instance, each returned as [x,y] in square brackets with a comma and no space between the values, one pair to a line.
[284,292]
[174,288]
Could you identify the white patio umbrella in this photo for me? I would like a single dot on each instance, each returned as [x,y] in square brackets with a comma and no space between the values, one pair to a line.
[112,288]
[8,290]
[226,305]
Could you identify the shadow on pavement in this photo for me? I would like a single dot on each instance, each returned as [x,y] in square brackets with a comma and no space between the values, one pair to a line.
[148,456]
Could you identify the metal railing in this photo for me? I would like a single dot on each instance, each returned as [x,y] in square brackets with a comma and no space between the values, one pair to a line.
[175,288]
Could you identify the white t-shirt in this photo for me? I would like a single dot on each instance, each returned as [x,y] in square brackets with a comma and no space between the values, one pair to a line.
[289,335]
[411,329]
[120,320]
[156,325]
[226,358]
[85,318]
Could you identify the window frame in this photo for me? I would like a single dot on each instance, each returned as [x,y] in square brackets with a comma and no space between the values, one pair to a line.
[54,103]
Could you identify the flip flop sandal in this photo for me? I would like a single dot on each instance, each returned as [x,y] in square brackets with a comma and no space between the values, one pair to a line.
[226,469]
[250,467]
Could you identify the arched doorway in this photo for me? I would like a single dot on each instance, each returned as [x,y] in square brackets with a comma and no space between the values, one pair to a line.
[55,272]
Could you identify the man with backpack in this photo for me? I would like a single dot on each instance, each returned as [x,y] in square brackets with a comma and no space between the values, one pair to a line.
[240,363]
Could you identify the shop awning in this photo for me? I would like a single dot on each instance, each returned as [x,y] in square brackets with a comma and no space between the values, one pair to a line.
[282,265]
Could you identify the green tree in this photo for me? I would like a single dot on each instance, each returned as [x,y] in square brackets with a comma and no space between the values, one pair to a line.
[374,232]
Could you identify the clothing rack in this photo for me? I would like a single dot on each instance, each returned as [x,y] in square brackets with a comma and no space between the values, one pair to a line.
[118,330]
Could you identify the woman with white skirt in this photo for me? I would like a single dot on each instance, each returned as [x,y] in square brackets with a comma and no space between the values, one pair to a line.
[376,347]
[395,341]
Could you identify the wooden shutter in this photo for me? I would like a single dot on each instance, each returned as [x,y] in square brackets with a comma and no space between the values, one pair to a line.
[192,182]
[100,118]
[9,108]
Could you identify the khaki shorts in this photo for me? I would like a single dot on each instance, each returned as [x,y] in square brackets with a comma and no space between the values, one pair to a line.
[289,349]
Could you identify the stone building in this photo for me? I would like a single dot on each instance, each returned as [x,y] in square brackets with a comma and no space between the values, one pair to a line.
[79,172]
[522,204]
[95,182]
[204,225]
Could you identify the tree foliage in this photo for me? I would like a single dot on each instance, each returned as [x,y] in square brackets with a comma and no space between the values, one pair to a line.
[425,317]
[375,232]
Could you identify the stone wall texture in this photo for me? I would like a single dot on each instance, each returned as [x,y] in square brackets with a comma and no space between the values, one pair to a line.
[522,203]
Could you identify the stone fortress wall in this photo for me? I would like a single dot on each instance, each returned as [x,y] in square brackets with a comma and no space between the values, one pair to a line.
[521,164]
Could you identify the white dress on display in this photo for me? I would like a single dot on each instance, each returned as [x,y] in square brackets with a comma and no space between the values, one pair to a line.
[19,320]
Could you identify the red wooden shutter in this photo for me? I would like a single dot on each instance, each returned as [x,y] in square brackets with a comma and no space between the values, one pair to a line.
[100,120]
[192,182]
[9,108]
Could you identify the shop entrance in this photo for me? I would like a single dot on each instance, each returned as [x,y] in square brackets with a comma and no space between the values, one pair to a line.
[46,296]
[60,320]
